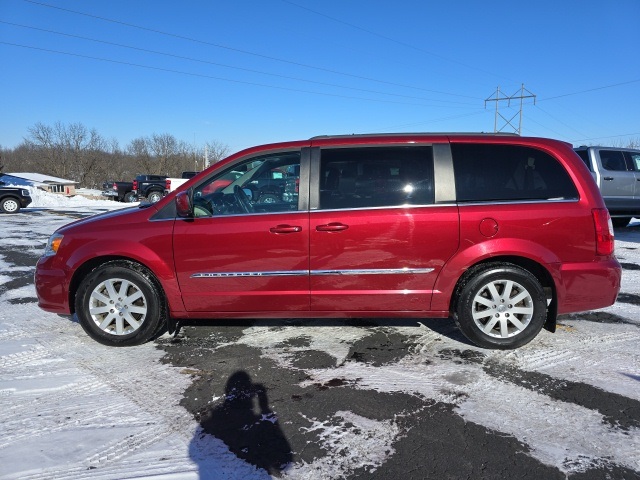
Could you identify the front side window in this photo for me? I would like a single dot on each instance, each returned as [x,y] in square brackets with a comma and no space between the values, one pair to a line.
[266,184]
[487,172]
[376,177]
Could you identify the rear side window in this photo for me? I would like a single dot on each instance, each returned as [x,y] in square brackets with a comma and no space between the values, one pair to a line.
[376,177]
[508,173]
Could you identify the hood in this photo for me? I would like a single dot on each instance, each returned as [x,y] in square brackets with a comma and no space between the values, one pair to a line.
[120,217]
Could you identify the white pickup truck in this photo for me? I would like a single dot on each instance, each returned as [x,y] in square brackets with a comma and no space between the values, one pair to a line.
[172,183]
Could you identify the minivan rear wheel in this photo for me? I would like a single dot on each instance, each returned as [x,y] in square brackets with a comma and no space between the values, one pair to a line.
[121,304]
[500,306]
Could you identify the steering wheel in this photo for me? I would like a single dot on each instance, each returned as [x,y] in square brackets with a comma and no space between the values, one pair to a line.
[242,199]
[202,207]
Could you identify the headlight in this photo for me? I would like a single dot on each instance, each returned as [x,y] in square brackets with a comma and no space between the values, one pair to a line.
[52,245]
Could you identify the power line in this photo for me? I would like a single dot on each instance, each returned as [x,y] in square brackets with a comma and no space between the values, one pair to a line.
[211,77]
[609,136]
[390,39]
[156,52]
[558,120]
[591,90]
[245,52]
[435,120]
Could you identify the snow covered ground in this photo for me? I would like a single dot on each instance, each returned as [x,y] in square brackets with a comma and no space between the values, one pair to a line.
[71,408]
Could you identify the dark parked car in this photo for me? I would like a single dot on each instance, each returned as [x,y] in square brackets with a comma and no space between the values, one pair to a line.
[12,199]
[150,187]
[500,232]
[120,191]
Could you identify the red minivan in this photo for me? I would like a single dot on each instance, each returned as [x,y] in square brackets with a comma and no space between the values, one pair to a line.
[501,232]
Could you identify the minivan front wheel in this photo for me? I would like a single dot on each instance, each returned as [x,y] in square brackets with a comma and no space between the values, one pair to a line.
[121,304]
[500,306]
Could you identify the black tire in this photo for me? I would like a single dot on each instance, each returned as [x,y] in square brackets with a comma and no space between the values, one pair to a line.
[154,196]
[10,205]
[121,304]
[130,197]
[268,198]
[500,306]
[620,222]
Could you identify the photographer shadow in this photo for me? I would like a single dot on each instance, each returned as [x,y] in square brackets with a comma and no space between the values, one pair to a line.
[246,424]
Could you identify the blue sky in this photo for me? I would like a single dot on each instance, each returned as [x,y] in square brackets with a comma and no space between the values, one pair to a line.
[249,72]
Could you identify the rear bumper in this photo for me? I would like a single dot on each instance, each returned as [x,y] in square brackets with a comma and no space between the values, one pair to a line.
[588,286]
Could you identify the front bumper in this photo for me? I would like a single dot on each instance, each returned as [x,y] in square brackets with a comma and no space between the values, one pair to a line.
[52,288]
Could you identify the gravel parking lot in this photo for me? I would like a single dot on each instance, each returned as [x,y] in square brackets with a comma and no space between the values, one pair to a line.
[312,399]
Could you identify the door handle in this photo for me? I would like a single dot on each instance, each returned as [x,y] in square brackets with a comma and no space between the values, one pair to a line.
[607,178]
[285,229]
[332,227]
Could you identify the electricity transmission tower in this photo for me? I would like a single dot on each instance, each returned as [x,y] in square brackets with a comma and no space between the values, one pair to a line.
[508,122]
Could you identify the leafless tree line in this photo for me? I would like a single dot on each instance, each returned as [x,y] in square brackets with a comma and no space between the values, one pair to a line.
[75,152]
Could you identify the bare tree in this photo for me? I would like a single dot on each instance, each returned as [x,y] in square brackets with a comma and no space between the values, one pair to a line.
[67,151]
[75,152]
[216,151]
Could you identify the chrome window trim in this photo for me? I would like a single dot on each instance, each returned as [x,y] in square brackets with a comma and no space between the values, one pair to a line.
[313,273]
[284,212]
[516,202]
[393,207]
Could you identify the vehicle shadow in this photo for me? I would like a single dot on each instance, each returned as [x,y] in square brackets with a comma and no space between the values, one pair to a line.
[442,326]
[247,425]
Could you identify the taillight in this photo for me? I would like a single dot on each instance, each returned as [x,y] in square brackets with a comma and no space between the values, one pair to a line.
[604,231]
[115,187]
[167,184]
[135,185]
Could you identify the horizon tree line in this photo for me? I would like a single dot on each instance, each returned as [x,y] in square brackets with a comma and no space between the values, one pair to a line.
[75,152]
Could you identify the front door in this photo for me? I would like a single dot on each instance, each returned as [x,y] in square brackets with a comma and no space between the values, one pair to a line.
[244,251]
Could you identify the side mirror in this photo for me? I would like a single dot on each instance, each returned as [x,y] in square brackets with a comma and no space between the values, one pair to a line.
[184,206]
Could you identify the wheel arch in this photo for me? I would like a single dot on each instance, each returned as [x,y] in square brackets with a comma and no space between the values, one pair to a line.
[535,268]
[90,265]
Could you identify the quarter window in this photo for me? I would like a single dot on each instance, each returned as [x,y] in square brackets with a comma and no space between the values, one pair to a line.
[508,173]
[376,177]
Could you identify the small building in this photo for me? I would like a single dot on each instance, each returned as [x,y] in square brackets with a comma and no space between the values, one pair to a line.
[41,181]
